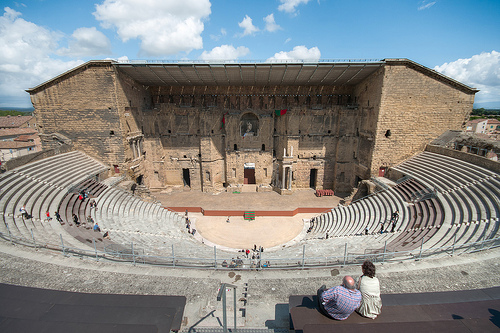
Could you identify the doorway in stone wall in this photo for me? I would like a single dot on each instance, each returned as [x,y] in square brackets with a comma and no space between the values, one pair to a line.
[249,173]
[313,175]
[186,177]
[381,171]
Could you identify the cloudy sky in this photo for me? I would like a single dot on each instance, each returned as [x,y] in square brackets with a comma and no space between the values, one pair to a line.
[40,39]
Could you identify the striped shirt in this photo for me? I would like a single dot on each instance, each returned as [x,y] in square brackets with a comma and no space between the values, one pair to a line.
[340,302]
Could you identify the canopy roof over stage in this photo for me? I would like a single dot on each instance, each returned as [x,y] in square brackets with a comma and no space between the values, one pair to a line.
[249,74]
[286,73]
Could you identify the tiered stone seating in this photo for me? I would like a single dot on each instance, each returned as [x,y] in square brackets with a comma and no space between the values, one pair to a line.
[147,225]
[468,193]
[426,216]
[461,212]
[369,212]
[466,208]
[40,186]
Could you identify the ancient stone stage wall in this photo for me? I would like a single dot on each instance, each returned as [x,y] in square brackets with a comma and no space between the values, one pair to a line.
[211,137]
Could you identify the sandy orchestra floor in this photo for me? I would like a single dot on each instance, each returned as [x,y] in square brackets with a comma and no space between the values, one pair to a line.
[243,234]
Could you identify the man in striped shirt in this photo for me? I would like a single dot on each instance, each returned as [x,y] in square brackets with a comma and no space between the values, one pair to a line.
[340,301]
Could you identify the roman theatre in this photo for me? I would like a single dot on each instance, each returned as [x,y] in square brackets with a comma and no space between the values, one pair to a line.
[308,161]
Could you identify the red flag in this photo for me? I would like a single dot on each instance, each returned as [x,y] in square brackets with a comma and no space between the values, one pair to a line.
[280,112]
[223,121]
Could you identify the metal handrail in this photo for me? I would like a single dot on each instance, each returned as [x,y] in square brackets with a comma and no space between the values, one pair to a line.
[136,257]
[222,295]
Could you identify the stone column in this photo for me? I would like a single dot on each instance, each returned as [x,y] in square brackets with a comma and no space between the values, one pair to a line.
[283,178]
[138,145]
[290,178]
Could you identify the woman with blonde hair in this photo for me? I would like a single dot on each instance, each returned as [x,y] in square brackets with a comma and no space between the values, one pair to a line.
[369,286]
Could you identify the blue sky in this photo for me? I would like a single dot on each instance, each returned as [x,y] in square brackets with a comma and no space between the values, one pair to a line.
[43,38]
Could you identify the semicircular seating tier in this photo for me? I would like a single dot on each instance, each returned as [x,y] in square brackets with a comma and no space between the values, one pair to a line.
[55,183]
[445,201]
[441,201]
[40,186]
[469,195]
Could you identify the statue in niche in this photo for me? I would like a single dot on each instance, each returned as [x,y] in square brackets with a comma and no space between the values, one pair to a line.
[249,125]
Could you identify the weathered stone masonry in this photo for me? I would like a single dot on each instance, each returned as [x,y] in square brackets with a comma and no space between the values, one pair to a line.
[209,128]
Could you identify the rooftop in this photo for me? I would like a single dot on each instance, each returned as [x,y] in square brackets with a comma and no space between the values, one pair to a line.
[8,132]
[13,121]
[286,73]
[15,144]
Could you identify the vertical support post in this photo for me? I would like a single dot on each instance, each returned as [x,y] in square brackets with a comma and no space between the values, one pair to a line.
[95,249]
[383,254]
[421,246]
[62,245]
[454,241]
[345,253]
[33,237]
[10,234]
[215,257]
[303,255]
[133,252]
[224,310]
[234,296]
[290,178]
[173,256]
[484,237]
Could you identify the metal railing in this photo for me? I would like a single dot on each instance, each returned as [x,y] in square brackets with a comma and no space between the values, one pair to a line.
[132,255]
[243,61]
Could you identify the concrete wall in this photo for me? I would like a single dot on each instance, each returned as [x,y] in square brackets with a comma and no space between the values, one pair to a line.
[467,157]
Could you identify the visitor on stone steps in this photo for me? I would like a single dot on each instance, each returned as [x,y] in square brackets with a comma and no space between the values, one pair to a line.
[340,301]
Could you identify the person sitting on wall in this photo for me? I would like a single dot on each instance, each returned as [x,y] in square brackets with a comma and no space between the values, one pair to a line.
[96,227]
[340,301]
[369,286]
[106,235]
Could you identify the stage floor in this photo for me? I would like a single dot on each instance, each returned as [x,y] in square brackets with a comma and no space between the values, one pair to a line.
[249,201]
[270,232]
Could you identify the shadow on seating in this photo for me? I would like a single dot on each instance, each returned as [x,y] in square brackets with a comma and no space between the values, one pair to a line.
[26,309]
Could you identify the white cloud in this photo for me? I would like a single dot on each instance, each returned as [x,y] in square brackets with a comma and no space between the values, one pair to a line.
[119,59]
[481,71]
[225,52]
[247,26]
[26,58]
[87,42]
[270,23]
[164,26]
[426,4]
[223,33]
[288,40]
[290,6]
[298,53]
